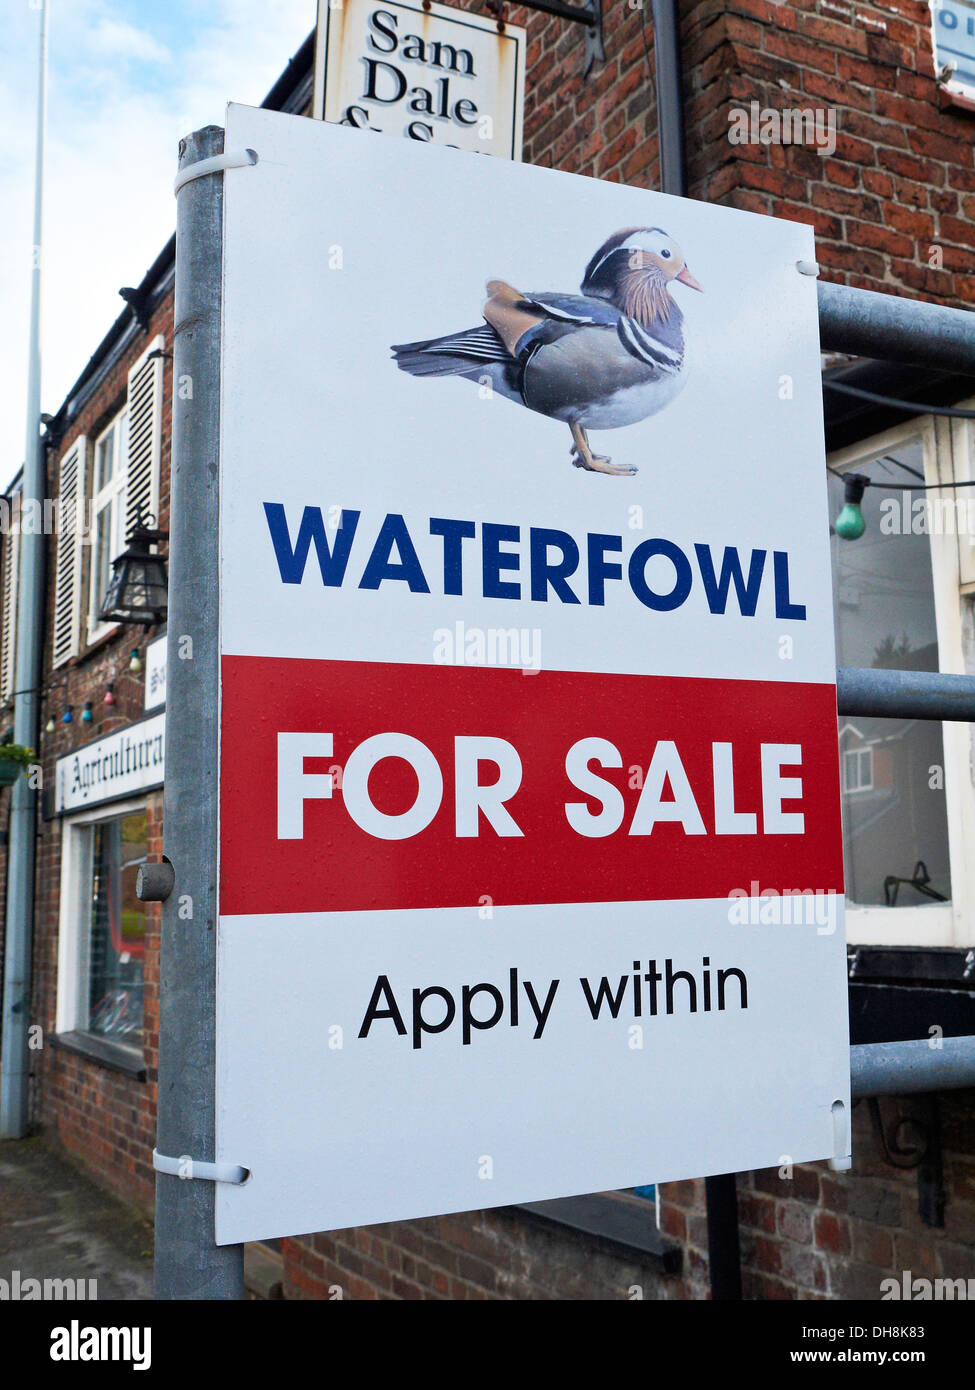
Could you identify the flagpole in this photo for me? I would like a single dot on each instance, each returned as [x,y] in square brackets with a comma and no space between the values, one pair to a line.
[15,1064]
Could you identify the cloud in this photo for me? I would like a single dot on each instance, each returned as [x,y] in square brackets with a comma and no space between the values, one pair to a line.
[126,81]
[113,38]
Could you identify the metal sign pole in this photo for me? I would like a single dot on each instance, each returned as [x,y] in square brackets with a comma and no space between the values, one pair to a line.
[189,1264]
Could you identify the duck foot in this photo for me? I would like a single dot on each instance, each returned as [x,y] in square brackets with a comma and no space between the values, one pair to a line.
[583,457]
[599,463]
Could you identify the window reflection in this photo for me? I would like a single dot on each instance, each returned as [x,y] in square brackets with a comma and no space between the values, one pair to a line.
[895,825]
[118,930]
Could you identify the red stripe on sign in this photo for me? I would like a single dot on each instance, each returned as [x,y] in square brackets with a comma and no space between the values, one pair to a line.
[647,829]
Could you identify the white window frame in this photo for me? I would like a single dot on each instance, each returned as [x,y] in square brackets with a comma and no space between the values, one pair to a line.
[111,495]
[963,459]
[138,465]
[940,924]
[860,785]
[74,926]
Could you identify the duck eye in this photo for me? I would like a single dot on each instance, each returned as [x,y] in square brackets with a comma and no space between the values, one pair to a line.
[665,255]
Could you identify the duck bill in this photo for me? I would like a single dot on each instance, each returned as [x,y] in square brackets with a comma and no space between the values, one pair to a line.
[686,278]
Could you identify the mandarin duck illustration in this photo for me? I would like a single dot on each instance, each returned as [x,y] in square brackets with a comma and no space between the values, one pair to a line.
[609,356]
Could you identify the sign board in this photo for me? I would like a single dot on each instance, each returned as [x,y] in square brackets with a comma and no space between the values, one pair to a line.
[155,690]
[953,27]
[131,760]
[434,74]
[537,761]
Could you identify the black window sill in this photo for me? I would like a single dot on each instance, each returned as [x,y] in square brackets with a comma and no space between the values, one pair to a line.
[114,1056]
[944,966]
[620,1227]
[898,992]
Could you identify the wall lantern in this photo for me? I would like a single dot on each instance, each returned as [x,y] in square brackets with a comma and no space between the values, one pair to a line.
[137,590]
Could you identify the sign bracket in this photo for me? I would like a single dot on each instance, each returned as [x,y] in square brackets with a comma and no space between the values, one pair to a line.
[590,15]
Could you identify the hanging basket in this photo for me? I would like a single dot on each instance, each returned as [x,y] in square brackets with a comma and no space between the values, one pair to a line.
[14,759]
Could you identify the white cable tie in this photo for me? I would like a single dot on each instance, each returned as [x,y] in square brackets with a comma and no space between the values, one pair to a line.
[807,267]
[186,1167]
[231,159]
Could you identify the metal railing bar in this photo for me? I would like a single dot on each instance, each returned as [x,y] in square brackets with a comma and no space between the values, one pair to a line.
[904,694]
[885,326]
[900,1068]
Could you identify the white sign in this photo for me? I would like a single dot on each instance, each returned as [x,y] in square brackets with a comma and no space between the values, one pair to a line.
[528,693]
[434,74]
[131,760]
[155,690]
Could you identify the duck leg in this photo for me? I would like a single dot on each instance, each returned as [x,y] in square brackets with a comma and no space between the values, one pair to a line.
[583,457]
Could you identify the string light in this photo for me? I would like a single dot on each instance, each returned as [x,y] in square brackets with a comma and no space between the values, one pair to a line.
[86,715]
[135,662]
[67,717]
[110,695]
[850,524]
[50,726]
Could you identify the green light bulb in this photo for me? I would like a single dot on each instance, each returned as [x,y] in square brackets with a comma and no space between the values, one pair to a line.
[850,525]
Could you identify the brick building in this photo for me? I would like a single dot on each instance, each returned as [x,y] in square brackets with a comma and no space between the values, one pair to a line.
[888,182]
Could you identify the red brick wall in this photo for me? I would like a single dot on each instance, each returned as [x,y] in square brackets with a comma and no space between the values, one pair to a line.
[481,1255]
[603,125]
[900,183]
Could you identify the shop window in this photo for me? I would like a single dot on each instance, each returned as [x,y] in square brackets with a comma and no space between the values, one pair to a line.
[897,605]
[103,928]
[118,929]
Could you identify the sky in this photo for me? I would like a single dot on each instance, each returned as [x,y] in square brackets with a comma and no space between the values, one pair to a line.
[126,79]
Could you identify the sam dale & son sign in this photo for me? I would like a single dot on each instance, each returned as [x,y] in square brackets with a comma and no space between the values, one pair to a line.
[428,72]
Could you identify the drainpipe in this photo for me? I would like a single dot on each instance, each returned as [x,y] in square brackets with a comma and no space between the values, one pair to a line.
[15,1061]
[670,108]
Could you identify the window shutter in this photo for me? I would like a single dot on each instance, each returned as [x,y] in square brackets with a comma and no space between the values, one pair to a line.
[145,437]
[67,586]
[8,601]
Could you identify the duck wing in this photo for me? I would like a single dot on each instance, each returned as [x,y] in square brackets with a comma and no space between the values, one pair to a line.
[525,322]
